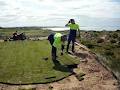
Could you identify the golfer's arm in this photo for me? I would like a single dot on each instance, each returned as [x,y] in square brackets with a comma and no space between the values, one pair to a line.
[79,31]
[67,25]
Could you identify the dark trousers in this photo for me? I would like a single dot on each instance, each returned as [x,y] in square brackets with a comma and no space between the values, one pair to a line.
[54,53]
[54,49]
[73,46]
[71,37]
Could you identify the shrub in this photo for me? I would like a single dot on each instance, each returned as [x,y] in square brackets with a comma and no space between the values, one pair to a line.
[100,40]
[109,53]
[118,38]
[113,41]
[119,44]
[90,45]
[95,34]
[115,35]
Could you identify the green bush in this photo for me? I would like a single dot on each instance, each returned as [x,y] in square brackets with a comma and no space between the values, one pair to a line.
[88,43]
[100,41]
[118,38]
[113,41]
[115,35]
[28,89]
[119,44]
[109,53]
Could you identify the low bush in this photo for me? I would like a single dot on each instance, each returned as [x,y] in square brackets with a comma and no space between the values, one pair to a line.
[108,53]
[113,41]
[100,40]
[115,35]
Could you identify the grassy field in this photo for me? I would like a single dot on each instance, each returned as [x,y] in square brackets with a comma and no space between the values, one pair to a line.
[22,62]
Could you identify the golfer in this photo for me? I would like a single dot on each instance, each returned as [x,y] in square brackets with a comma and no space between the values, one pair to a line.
[72,34]
[57,42]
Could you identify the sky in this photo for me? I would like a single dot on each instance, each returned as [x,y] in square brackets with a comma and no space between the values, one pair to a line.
[99,13]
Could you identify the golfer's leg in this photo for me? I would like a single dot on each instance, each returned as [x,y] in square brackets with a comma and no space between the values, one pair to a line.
[51,41]
[54,53]
[62,48]
[68,44]
[73,44]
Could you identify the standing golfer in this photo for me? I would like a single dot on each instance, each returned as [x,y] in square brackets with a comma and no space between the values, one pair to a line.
[72,34]
[57,41]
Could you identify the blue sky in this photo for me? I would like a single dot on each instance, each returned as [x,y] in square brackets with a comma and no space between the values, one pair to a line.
[58,12]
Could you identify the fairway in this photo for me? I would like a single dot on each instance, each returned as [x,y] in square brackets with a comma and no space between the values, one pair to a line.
[22,62]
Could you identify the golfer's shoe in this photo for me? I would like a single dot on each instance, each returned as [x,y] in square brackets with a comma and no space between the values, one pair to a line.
[53,58]
[68,52]
[73,51]
[46,58]
[61,53]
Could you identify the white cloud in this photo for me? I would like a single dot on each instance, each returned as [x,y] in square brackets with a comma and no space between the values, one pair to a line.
[55,11]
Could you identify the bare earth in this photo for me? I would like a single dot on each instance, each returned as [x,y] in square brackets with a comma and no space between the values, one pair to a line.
[96,78]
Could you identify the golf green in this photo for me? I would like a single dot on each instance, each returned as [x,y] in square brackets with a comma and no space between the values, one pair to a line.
[24,62]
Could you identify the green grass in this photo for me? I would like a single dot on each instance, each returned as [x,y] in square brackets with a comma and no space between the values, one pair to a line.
[22,62]
[28,89]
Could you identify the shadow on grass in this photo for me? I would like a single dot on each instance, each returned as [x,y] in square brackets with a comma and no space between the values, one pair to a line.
[28,89]
[61,68]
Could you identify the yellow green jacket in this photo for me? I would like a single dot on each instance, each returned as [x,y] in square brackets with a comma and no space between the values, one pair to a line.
[73,26]
[57,40]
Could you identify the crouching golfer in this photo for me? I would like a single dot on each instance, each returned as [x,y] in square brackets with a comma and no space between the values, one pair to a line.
[57,42]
